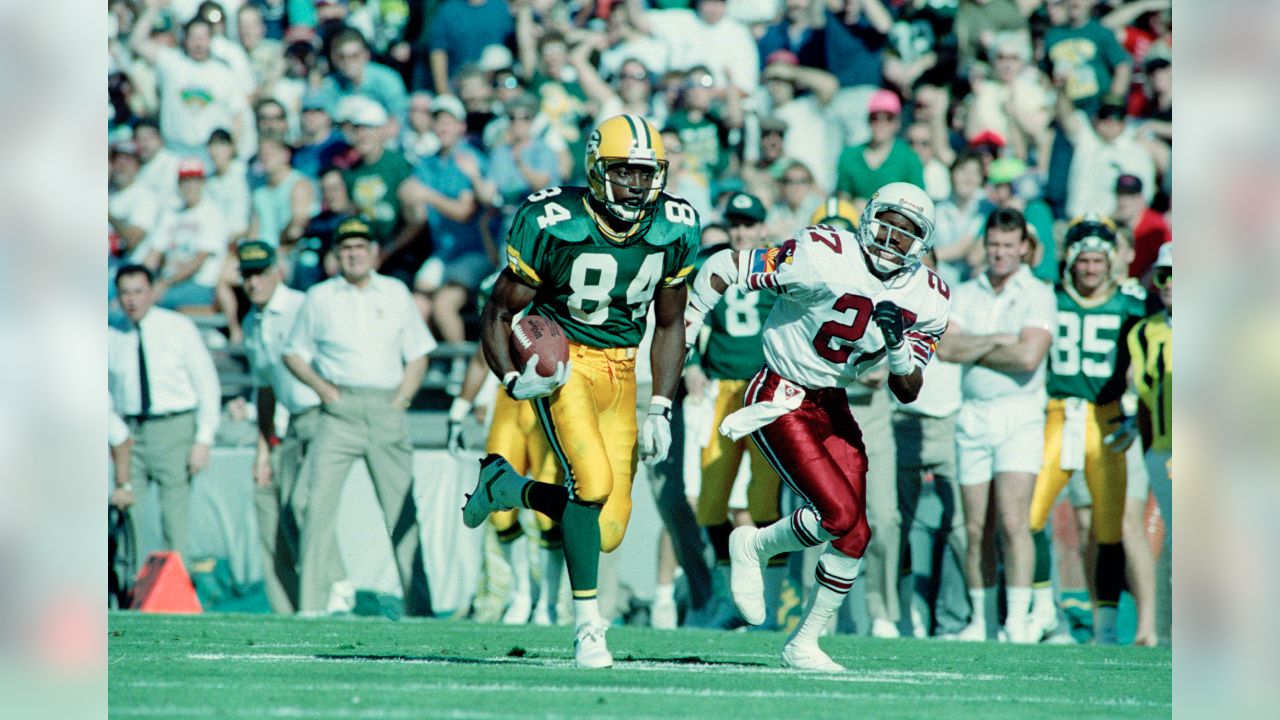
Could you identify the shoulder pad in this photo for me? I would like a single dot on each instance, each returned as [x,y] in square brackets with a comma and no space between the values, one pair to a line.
[673,219]
[1134,290]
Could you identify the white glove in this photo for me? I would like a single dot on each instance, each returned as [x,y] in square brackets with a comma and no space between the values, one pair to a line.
[693,319]
[529,384]
[1123,436]
[455,443]
[655,434]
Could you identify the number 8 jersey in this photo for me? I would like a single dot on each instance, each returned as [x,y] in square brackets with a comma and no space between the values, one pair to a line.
[820,334]
[598,289]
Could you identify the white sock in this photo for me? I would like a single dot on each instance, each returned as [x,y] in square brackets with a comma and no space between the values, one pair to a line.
[978,604]
[1019,602]
[790,534]
[834,574]
[585,611]
[664,593]
[1042,604]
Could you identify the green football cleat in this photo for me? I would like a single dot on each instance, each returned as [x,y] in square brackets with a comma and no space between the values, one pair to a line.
[488,496]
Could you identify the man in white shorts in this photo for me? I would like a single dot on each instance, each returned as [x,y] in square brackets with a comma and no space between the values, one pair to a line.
[1001,326]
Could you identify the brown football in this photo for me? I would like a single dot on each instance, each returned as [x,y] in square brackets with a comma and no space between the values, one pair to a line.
[537,335]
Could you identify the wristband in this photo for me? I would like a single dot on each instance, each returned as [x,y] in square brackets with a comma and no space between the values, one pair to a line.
[459,409]
[660,405]
[901,361]
[509,382]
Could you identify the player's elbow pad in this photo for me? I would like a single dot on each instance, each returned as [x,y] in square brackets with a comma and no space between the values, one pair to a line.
[722,265]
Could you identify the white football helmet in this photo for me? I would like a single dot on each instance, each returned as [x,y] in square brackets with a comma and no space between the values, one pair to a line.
[912,203]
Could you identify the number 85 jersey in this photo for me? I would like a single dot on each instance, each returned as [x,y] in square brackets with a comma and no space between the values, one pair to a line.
[820,333]
[597,287]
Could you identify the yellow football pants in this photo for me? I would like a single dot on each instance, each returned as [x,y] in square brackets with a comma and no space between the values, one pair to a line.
[591,425]
[1104,470]
[720,461]
[515,435]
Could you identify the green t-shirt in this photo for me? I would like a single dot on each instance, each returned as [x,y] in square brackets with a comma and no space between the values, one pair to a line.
[855,178]
[597,289]
[373,192]
[704,142]
[1089,56]
[1088,359]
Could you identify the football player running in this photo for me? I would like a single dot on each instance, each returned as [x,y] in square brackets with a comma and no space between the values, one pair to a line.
[593,259]
[847,302]
[1087,366]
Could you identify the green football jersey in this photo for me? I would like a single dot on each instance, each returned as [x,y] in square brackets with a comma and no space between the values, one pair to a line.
[733,350]
[596,288]
[1083,360]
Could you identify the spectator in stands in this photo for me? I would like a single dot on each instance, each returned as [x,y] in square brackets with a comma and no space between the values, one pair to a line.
[315,259]
[163,383]
[1015,100]
[159,170]
[1103,152]
[705,129]
[863,169]
[266,55]
[937,176]
[1149,228]
[684,181]
[798,198]
[132,208]
[282,206]
[799,96]
[855,36]
[624,41]
[278,462]
[417,140]
[377,184]
[460,257]
[978,22]
[227,186]
[460,31]
[519,165]
[476,92]
[1010,186]
[1001,326]
[760,175]
[224,49]
[960,218]
[1086,59]
[319,143]
[799,31]
[271,121]
[630,92]
[705,36]
[361,345]
[186,250]
[198,94]
[355,73]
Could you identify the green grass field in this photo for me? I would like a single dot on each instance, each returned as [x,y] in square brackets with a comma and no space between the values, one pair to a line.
[252,666]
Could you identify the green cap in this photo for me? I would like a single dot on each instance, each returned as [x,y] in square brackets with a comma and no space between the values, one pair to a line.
[744,205]
[255,256]
[353,227]
[1005,170]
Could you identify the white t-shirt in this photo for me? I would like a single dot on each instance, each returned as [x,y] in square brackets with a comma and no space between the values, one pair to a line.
[183,233]
[135,205]
[820,333]
[1096,165]
[808,139]
[1025,302]
[727,44]
[196,98]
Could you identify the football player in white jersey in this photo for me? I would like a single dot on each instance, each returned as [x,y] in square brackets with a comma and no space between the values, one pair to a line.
[847,301]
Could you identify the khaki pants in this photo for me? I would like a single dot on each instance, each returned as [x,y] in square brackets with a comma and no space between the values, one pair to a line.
[874,415]
[362,424]
[277,521]
[161,447]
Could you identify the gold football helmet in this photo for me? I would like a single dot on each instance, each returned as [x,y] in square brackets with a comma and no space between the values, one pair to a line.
[836,212]
[626,140]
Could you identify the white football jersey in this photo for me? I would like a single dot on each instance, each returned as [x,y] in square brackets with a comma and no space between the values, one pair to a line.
[820,333]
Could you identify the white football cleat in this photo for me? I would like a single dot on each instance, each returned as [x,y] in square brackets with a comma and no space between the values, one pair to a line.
[589,647]
[882,628]
[518,610]
[484,499]
[808,656]
[973,632]
[746,575]
[663,615]
[1022,632]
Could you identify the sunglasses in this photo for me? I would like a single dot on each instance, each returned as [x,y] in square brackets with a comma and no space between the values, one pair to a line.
[1162,277]
[882,117]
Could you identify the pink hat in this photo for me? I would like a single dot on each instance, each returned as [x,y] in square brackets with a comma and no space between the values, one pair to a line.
[884,101]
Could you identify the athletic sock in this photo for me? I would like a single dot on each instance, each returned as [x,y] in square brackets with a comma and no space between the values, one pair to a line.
[718,535]
[834,575]
[1110,573]
[1044,562]
[1042,603]
[977,604]
[548,499]
[581,526]
[664,593]
[585,610]
[1019,603]
[803,529]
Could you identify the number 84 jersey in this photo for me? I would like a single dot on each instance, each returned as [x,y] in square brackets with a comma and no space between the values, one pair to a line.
[598,287]
[820,333]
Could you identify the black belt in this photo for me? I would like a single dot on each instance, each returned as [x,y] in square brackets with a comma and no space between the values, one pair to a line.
[138,419]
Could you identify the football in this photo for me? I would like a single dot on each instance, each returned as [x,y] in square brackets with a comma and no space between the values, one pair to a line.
[536,335]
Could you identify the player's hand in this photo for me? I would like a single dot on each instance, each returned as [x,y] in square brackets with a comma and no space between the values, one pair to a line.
[529,384]
[655,434]
[889,318]
[456,445]
[693,319]
[1123,436]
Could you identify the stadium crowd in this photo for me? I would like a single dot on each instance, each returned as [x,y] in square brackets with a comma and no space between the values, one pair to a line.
[299,141]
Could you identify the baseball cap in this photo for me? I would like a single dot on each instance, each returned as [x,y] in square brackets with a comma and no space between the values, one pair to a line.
[1005,170]
[744,205]
[1128,185]
[191,168]
[495,57]
[363,112]
[353,227]
[884,101]
[255,256]
[773,124]
[1164,256]
[782,55]
[987,137]
[524,101]
[449,104]
[318,100]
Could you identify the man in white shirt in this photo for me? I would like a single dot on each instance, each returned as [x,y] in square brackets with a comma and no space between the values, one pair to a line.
[705,37]
[1002,323]
[132,208]
[278,463]
[164,385]
[188,245]
[1104,149]
[361,345]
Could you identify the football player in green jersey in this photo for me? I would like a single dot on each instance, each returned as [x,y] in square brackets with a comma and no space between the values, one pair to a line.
[593,259]
[1087,364]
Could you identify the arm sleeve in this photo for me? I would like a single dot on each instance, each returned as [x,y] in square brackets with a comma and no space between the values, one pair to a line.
[684,257]
[416,340]
[923,338]
[1043,313]
[302,338]
[204,377]
[117,430]
[524,252]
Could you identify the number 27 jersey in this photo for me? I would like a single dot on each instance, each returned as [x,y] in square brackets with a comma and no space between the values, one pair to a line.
[820,333]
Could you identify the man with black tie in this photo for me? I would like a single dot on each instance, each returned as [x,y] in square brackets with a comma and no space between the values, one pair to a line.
[164,385]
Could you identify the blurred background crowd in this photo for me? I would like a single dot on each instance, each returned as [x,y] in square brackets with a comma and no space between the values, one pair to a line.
[273,121]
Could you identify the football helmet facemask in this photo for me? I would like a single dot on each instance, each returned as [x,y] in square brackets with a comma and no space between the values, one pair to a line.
[622,140]
[912,203]
[1090,233]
